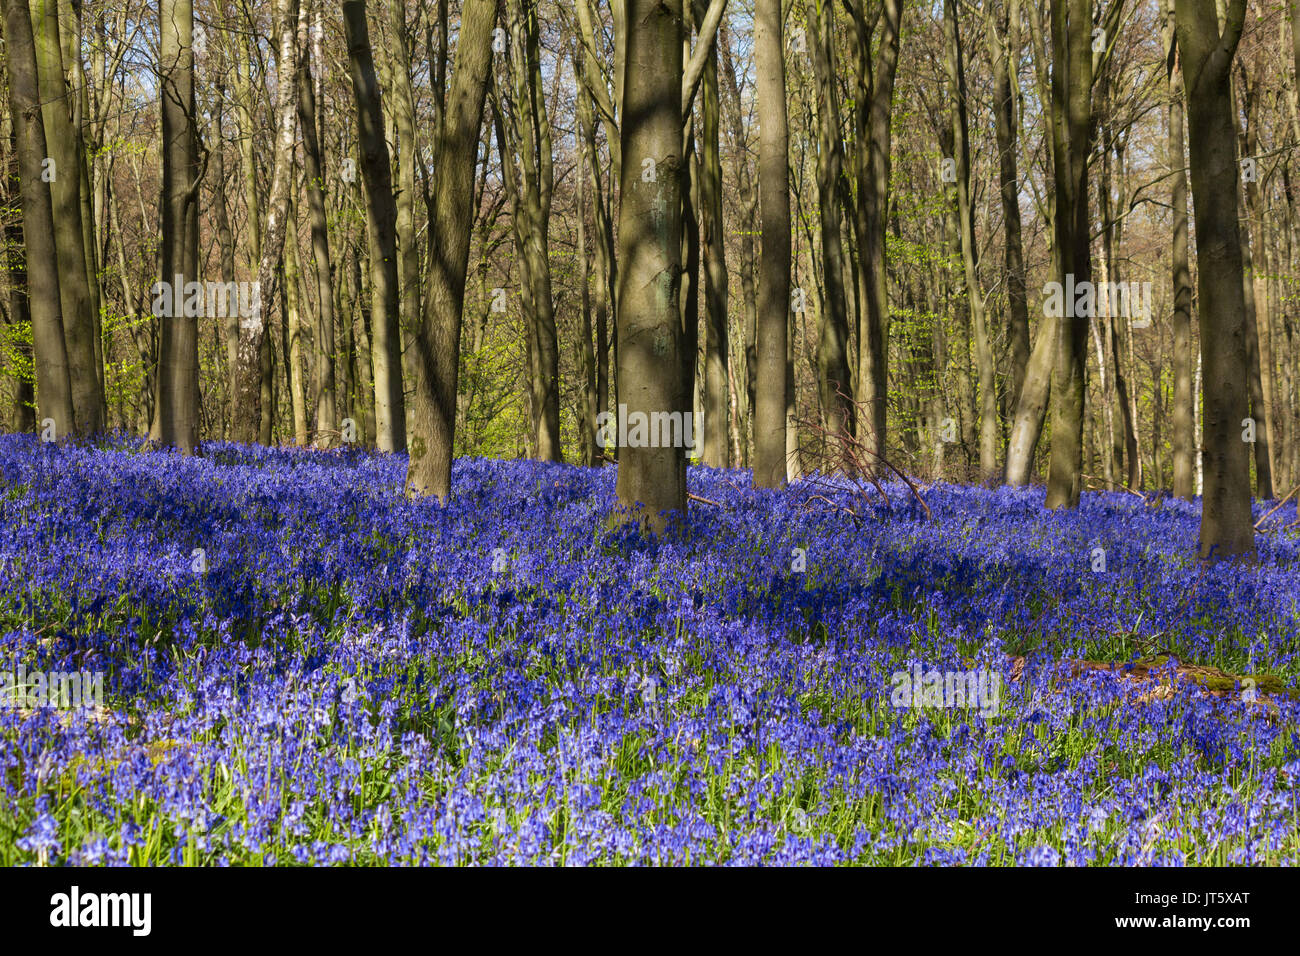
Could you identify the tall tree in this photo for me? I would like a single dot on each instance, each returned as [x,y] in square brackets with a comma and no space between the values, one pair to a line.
[713,255]
[1227,529]
[326,395]
[528,133]
[747,356]
[1004,40]
[1184,398]
[381,222]
[774,261]
[874,75]
[178,361]
[250,397]
[651,478]
[1071,120]
[954,60]
[437,345]
[62,138]
[53,385]
[835,387]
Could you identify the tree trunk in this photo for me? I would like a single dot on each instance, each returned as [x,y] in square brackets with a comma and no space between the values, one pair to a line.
[381,223]
[987,413]
[178,361]
[1071,119]
[874,92]
[749,226]
[835,389]
[651,482]
[53,385]
[437,346]
[1006,52]
[774,264]
[528,132]
[326,397]
[1226,526]
[61,139]
[1259,352]
[254,412]
[713,253]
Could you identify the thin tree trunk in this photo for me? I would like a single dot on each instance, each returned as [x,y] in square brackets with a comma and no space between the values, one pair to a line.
[381,222]
[326,390]
[254,411]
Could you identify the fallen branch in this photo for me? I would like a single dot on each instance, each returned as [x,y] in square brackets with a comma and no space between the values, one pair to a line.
[703,501]
[1290,494]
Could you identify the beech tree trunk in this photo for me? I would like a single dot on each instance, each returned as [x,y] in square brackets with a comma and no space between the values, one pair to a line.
[437,360]
[774,262]
[53,385]
[1226,526]
[651,482]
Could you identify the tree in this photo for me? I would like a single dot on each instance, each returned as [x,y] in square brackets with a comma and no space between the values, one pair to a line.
[874,96]
[250,401]
[1184,444]
[965,243]
[53,386]
[177,413]
[528,135]
[834,384]
[1227,529]
[381,223]
[774,256]
[713,255]
[62,138]
[437,343]
[1072,72]
[651,478]
[326,397]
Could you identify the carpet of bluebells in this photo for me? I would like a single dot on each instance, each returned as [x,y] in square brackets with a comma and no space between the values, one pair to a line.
[347,676]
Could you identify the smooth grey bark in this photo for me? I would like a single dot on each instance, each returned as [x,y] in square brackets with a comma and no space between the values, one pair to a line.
[1004,42]
[774,261]
[1071,121]
[1227,529]
[326,414]
[528,135]
[177,414]
[987,412]
[437,360]
[874,93]
[61,138]
[748,357]
[651,483]
[53,385]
